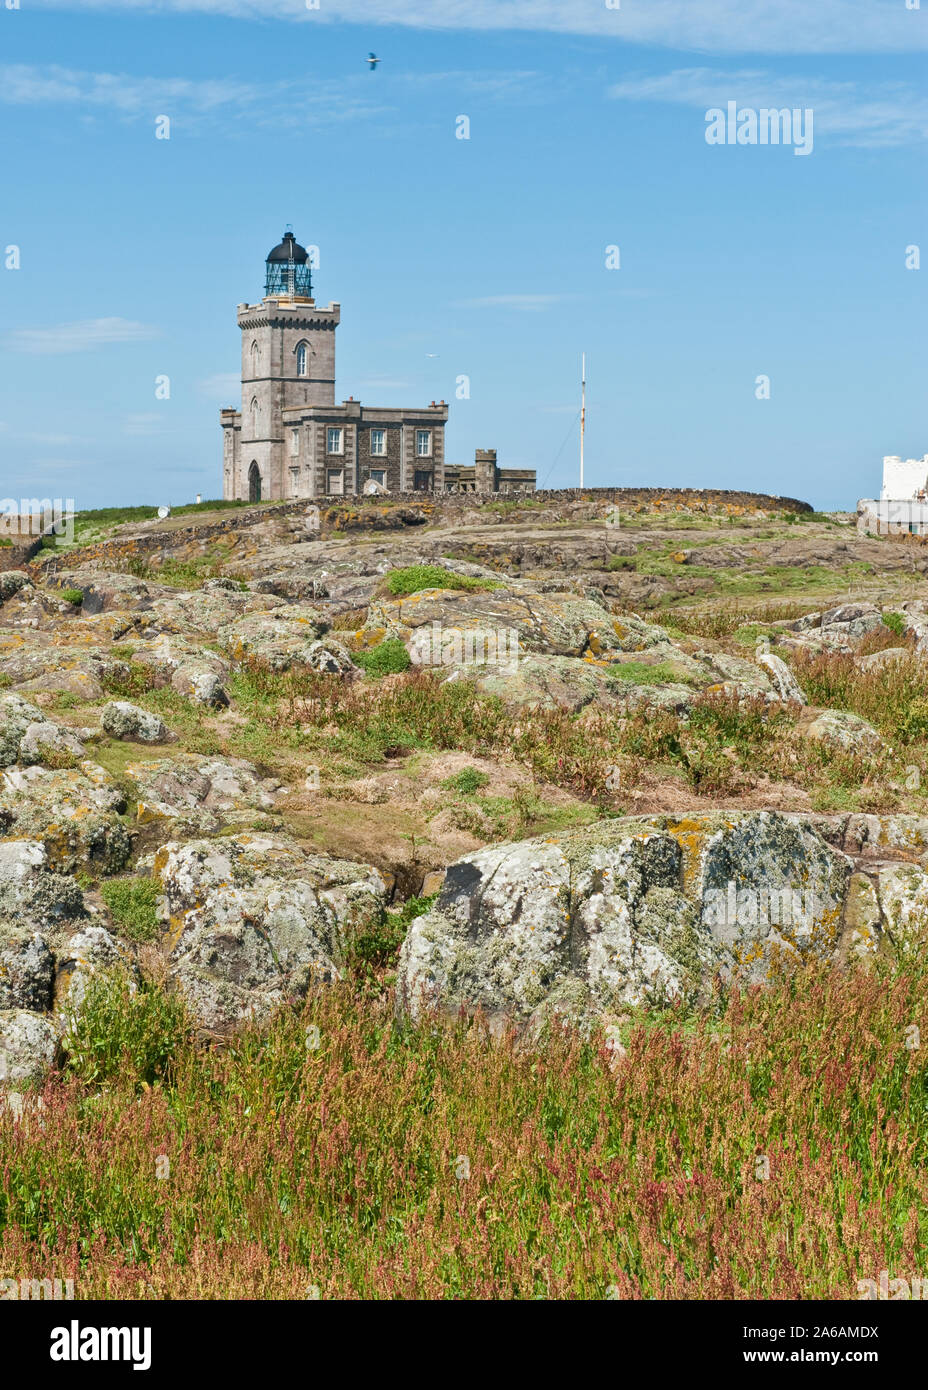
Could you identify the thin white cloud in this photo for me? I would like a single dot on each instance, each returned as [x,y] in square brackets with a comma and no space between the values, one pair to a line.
[726,26]
[282,103]
[84,335]
[878,115]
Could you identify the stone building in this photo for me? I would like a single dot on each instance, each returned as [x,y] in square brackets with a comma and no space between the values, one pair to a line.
[291,438]
[487,476]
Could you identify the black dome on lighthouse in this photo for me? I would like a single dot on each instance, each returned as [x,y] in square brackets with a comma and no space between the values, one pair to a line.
[289,250]
[289,273]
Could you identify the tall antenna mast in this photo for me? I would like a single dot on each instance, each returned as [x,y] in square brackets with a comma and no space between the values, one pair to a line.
[582,410]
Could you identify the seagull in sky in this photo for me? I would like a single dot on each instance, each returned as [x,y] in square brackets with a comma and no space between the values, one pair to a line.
[372,61]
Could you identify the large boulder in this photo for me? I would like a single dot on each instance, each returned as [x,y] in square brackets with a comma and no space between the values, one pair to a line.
[287,634]
[623,912]
[252,920]
[74,813]
[434,621]
[28,1045]
[839,729]
[123,720]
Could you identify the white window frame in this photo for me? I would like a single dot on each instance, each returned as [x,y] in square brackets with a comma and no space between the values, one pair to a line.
[302,359]
[379,476]
[425,453]
[340,439]
[379,453]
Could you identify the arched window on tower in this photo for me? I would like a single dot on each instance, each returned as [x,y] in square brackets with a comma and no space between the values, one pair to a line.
[302,360]
[254,358]
[254,418]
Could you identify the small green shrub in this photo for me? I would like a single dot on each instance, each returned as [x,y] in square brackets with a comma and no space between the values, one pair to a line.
[133,905]
[75,596]
[388,658]
[896,622]
[468,780]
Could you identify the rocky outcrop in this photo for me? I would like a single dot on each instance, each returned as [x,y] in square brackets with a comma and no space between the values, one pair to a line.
[74,813]
[252,920]
[644,909]
[198,793]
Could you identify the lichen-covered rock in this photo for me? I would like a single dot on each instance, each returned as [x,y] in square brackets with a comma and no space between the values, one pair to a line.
[26,967]
[287,634]
[11,582]
[595,920]
[877,661]
[123,720]
[203,687]
[74,813]
[31,892]
[28,1046]
[26,735]
[329,655]
[201,793]
[253,920]
[785,683]
[842,730]
[838,629]
[203,613]
[561,624]
[88,951]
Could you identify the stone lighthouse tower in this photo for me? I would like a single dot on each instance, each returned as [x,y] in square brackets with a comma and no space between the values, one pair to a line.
[290,439]
[288,360]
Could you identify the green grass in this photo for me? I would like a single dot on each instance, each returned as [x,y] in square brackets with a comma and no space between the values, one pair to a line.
[125,1034]
[133,906]
[468,780]
[386,659]
[641,673]
[326,1150]
[414,578]
[75,596]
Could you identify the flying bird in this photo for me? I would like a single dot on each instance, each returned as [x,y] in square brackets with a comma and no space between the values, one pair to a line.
[431,354]
[372,61]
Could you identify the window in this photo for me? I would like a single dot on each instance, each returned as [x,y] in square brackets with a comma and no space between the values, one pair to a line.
[254,418]
[294,441]
[333,441]
[336,481]
[301,360]
[379,475]
[254,359]
[378,442]
[422,480]
[423,444]
[294,481]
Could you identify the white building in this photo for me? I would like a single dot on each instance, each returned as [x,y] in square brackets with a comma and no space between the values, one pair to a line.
[903,502]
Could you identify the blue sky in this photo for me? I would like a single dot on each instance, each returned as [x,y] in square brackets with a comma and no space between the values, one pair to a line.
[587,130]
